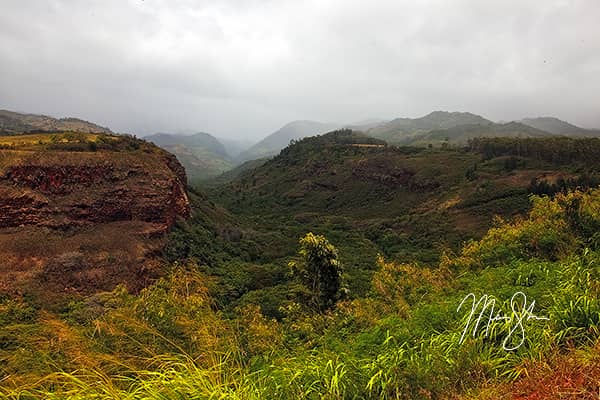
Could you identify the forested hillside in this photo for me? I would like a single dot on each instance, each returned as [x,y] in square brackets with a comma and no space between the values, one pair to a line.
[346,268]
[410,336]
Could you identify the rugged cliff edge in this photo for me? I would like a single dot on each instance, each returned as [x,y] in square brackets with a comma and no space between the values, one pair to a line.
[84,212]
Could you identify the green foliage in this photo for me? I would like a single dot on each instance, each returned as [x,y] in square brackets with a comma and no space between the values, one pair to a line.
[544,234]
[16,312]
[583,215]
[561,150]
[230,326]
[319,270]
[576,312]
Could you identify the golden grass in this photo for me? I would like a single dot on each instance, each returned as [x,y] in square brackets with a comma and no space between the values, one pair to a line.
[47,138]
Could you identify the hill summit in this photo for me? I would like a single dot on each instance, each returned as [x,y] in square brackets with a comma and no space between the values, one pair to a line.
[457,128]
[400,129]
[13,123]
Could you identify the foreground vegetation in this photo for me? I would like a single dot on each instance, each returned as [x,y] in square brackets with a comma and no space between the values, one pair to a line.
[402,340]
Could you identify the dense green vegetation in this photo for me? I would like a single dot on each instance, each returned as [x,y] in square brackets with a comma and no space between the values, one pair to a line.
[463,133]
[336,270]
[406,203]
[235,172]
[558,150]
[402,340]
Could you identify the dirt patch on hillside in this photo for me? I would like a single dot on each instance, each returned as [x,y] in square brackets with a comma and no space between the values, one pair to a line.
[50,265]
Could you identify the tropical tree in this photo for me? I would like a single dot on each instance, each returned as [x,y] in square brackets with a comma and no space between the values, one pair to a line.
[318,269]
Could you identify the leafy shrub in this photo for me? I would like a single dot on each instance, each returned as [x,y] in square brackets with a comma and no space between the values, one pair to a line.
[403,285]
[544,234]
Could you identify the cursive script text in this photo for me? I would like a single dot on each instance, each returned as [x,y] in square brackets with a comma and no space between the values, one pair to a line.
[483,310]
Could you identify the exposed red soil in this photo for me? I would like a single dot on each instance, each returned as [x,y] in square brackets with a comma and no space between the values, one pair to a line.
[83,222]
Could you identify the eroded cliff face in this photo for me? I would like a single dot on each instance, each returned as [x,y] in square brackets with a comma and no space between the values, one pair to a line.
[63,195]
[82,221]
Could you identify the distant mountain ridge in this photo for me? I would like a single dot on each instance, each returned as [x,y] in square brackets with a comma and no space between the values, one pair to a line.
[272,144]
[399,129]
[14,123]
[458,128]
[198,139]
[366,124]
[435,128]
[202,155]
[235,147]
[461,134]
[559,127]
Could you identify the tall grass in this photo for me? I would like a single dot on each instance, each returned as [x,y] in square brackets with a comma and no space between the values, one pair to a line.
[401,342]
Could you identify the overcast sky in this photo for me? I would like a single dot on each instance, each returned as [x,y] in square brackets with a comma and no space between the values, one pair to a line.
[239,68]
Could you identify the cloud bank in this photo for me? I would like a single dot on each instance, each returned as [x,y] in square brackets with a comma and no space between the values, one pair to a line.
[242,68]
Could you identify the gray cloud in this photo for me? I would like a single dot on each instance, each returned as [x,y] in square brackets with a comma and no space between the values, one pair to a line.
[242,68]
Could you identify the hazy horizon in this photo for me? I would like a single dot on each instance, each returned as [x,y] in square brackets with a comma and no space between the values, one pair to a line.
[238,69]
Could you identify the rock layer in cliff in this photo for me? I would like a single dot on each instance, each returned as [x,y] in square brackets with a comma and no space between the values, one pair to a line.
[84,212]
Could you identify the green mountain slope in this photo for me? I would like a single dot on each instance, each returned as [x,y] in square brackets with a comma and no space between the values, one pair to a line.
[402,129]
[407,203]
[460,135]
[272,144]
[202,155]
[235,172]
[559,127]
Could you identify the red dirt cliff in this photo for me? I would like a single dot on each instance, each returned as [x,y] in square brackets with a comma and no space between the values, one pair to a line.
[82,221]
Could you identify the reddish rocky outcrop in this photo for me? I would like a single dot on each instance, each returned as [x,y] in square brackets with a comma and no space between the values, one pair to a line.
[105,212]
[380,171]
[64,194]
